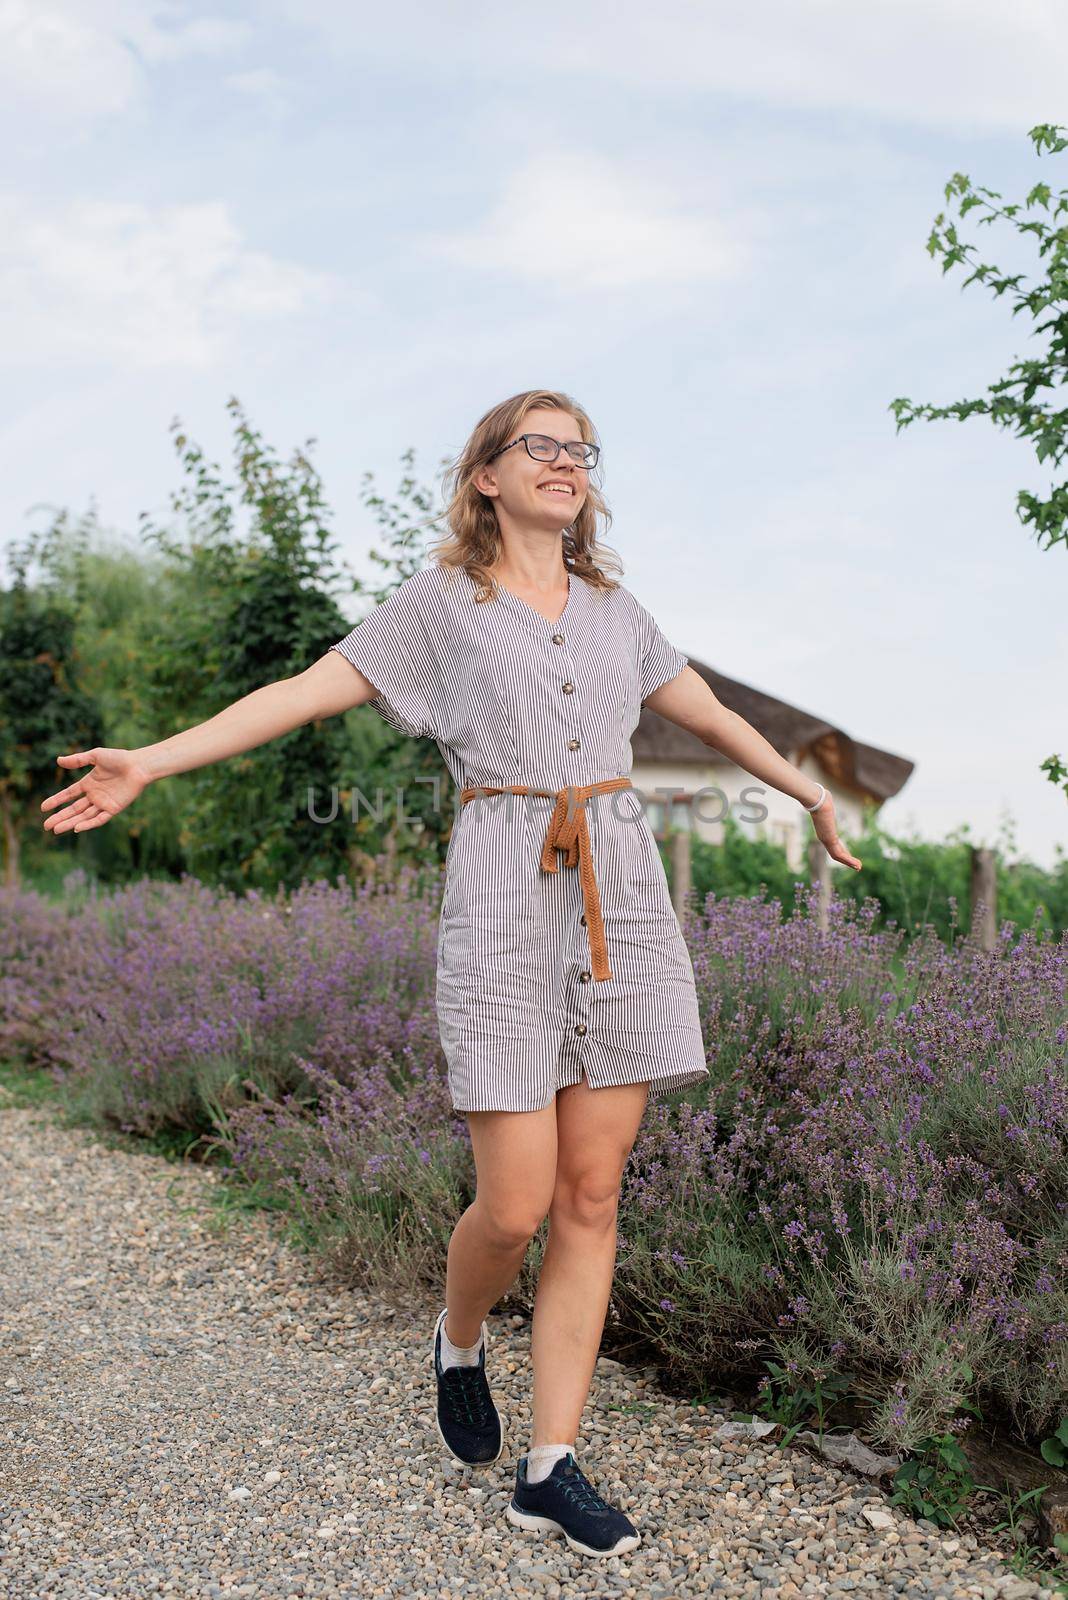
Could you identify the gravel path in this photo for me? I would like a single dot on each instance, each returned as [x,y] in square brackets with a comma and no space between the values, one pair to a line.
[196,1415]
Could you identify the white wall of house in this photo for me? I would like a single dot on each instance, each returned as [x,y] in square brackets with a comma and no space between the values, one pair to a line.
[724,784]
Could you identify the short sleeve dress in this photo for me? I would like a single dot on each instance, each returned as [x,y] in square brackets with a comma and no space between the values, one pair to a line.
[512,698]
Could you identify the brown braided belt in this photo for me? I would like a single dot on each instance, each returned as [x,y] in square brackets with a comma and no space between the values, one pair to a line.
[568,830]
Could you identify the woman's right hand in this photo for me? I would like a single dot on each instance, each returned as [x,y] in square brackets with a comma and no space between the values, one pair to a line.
[116,780]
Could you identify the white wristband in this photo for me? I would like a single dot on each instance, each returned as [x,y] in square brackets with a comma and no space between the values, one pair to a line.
[816,804]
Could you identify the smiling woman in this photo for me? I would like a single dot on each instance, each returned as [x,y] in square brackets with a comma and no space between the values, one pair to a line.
[565,999]
[525,507]
[565,990]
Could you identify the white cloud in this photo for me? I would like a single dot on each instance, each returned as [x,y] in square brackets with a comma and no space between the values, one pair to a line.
[929,62]
[73,63]
[164,34]
[574,220]
[261,85]
[137,286]
[55,61]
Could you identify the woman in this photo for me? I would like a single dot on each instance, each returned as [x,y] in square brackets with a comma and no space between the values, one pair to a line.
[565,998]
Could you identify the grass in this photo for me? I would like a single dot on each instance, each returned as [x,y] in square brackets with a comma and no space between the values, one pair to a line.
[22,1087]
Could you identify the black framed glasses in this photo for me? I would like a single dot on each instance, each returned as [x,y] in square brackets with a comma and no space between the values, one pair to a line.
[541,448]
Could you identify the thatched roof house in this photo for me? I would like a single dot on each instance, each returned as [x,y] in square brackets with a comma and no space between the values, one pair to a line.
[698,782]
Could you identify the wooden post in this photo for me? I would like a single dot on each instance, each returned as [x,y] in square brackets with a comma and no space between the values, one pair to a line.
[984,922]
[819,872]
[681,868]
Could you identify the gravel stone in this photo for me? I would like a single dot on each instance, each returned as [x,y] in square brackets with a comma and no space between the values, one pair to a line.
[198,1415]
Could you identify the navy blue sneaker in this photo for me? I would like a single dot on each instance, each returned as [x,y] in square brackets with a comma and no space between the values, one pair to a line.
[566,1502]
[467,1419]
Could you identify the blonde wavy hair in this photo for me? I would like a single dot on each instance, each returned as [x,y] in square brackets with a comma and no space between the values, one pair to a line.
[474,537]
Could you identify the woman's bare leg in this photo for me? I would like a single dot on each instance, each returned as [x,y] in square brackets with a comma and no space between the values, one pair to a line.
[515,1160]
[595,1130]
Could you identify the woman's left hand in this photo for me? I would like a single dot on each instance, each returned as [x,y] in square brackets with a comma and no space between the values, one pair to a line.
[827,833]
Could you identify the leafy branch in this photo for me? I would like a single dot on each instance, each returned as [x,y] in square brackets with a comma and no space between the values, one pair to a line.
[1030,400]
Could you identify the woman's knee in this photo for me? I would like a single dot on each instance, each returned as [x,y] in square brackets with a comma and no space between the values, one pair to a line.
[587,1199]
[511,1220]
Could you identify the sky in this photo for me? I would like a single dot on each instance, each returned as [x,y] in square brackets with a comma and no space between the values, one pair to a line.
[371,223]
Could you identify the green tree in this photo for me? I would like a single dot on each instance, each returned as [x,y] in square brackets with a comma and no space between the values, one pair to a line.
[42,705]
[413,766]
[918,882]
[1030,399]
[120,596]
[739,865]
[256,603]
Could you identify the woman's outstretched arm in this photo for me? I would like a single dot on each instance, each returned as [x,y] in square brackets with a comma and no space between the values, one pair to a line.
[688,701]
[329,686]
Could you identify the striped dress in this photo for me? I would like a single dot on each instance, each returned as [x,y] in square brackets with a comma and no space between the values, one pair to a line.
[512,698]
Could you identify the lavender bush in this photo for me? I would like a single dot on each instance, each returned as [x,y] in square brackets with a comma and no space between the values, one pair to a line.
[879,1177]
[872,1183]
[154,1003]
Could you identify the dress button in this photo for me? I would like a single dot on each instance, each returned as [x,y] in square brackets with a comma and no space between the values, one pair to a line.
[569,688]
[572,744]
[584,977]
[580,1027]
[582,919]
[558,638]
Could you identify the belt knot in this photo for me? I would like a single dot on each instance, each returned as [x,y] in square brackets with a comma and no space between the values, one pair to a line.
[569,832]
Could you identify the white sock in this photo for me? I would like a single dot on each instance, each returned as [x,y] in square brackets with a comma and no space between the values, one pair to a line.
[454,1355]
[541,1459]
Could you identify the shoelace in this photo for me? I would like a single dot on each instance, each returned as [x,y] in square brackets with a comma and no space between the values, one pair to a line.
[466,1395]
[578,1489]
